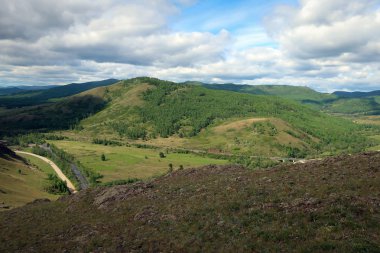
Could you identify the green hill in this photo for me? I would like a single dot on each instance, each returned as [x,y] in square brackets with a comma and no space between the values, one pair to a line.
[148,110]
[321,206]
[20,182]
[152,110]
[298,93]
[365,103]
[357,94]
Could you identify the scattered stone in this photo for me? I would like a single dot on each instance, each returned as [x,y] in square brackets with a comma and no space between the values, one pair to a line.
[4,206]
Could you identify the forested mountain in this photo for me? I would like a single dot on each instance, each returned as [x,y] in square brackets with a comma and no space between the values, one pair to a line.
[356,94]
[149,109]
[59,115]
[298,93]
[20,89]
[365,103]
[37,97]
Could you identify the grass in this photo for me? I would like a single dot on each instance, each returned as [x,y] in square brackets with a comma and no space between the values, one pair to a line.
[38,163]
[129,162]
[20,184]
[370,120]
[373,121]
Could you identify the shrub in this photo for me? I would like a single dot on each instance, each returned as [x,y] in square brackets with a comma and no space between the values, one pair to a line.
[170,167]
[55,185]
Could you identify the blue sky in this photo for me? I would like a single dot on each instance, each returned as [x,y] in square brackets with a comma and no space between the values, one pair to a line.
[214,15]
[238,17]
[323,44]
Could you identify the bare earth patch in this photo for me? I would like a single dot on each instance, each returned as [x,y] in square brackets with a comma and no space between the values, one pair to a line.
[237,125]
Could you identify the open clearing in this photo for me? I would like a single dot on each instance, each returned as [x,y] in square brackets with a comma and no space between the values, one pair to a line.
[237,125]
[129,162]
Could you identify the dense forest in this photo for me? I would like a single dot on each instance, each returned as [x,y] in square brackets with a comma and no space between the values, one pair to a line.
[42,96]
[362,103]
[64,114]
[186,109]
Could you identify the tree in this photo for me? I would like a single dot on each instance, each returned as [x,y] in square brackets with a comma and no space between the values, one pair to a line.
[103,157]
[181,167]
[170,167]
[162,155]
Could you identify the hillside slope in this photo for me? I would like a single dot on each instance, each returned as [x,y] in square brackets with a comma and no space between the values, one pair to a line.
[60,115]
[331,205]
[367,103]
[298,93]
[152,109]
[20,183]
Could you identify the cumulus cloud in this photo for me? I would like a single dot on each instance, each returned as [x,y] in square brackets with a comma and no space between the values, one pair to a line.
[40,32]
[28,20]
[345,29]
[325,44]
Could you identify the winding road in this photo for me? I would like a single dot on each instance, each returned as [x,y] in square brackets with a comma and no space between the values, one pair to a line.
[57,170]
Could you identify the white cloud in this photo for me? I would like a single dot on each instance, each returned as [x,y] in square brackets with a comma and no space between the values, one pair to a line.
[325,44]
[329,28]
[131,32]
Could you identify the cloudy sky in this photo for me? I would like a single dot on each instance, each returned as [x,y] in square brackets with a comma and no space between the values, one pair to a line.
[324,44]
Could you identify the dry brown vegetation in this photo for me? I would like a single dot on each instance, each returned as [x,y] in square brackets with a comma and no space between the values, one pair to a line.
[331,205]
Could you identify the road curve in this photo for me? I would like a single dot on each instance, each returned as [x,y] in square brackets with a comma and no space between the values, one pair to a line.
[57,170]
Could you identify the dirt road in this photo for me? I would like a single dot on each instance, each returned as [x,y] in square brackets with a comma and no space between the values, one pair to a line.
[57,170]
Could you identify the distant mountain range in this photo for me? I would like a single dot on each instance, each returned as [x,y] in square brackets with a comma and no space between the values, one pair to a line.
[35,96]
[367,103]
[19,89]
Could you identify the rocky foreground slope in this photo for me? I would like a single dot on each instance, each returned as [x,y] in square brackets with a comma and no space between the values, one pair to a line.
[331,205]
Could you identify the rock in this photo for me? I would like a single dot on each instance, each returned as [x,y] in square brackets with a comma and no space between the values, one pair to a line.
[4,206]
[114,194]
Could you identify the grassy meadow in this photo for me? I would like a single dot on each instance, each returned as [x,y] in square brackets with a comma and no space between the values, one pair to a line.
[20,183]
[129,162]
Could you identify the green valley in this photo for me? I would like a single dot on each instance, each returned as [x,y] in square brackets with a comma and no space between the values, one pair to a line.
[151,126]
[123,162]
[196,160]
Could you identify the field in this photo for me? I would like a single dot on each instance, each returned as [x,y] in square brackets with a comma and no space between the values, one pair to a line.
[38,163]
[20,183]
[373,120]
[129,162]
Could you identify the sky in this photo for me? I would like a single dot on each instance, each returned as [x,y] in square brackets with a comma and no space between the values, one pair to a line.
[327,45]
